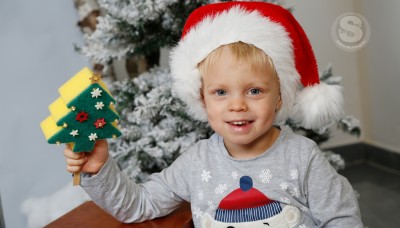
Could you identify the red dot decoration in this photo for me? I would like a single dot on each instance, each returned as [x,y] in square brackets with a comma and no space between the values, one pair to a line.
[82,116]
[100,123]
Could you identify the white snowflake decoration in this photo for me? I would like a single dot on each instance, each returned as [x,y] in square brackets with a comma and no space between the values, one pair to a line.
[265,176]
[206,176]
[294,174]
[211,205]
[295,192]
[74,133]
[92,136]
[220,189]
[96,93]
[99,105]
[284,186]
[197,212]
[235,175]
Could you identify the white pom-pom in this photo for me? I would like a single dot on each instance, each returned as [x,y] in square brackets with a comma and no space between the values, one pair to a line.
[318,105]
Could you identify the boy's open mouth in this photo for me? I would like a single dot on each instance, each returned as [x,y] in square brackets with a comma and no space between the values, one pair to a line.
[240,123]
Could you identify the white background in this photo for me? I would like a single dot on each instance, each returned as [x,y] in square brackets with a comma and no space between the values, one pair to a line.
[37,56]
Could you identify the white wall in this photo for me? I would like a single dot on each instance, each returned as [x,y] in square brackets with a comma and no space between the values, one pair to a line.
[380,79]
[36,57]
[317,18]
[371,76]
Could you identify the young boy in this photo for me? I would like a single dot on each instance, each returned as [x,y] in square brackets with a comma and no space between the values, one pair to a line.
[245,67]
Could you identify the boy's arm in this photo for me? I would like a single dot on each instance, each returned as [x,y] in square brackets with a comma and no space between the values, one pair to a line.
[331,198]
[116,193]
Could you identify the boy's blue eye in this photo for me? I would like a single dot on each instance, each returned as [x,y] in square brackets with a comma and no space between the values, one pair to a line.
[254,91]
[220,92]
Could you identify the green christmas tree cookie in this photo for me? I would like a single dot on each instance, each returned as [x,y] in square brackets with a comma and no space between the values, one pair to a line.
[83,114]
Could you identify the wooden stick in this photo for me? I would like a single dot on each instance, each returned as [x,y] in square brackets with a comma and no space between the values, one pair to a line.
[77,176]
[77,179]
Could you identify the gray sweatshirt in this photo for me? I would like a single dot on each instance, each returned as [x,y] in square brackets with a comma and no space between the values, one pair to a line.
[289,185]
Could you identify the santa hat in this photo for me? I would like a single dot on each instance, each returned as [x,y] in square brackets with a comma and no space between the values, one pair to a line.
[246,204]
[274,30]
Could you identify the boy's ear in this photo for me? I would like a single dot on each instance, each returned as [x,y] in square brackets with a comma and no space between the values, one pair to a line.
[202,97]
[279,103]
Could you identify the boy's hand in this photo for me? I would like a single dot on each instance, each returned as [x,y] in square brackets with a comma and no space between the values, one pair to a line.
[90,162]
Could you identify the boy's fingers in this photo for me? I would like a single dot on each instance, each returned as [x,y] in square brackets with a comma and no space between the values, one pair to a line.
[80,155]
[70,154]
[76,162]
[74,169]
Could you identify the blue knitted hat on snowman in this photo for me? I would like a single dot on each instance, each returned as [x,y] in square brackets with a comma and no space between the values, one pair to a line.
[246,204]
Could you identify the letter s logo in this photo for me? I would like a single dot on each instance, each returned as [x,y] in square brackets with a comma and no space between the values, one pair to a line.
[350,29]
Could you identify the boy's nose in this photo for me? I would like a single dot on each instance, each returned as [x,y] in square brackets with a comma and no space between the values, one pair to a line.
[237,104]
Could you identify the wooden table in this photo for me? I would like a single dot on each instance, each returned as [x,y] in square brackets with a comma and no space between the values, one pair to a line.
[90,215]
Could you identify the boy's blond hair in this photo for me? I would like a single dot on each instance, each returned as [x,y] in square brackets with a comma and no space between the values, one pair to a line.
[241,52]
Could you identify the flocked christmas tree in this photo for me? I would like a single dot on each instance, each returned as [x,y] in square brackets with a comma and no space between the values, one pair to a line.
[155,125]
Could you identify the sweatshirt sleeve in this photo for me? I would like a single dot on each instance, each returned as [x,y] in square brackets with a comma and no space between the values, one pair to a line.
[331,198]
[128,202]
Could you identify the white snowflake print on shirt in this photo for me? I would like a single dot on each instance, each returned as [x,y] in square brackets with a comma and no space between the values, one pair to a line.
[284,186]
[235,175]
[206,176]
[211,205]
[294,174]
[303,226]
[220,189]
[265,176]
[197,212]
[295,192]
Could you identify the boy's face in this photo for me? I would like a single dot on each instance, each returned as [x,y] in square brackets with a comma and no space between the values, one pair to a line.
[241,103]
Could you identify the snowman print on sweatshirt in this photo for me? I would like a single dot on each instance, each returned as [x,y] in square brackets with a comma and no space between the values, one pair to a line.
[248,207]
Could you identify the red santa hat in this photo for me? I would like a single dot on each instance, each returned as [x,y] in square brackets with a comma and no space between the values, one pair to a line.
[274,30]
